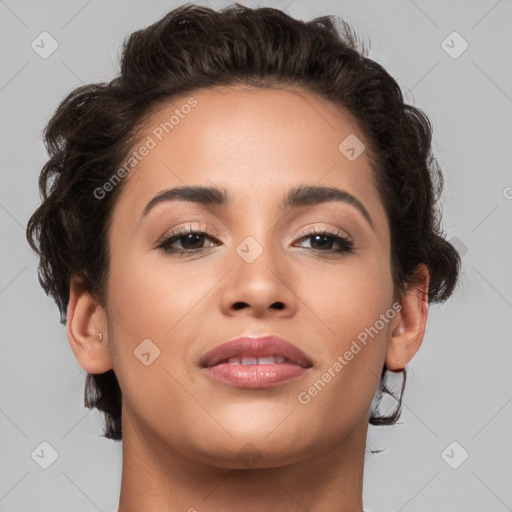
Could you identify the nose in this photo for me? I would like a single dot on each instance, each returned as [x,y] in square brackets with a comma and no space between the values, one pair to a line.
[260,287]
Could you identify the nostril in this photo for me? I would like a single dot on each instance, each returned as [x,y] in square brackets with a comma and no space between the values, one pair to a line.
[241,305]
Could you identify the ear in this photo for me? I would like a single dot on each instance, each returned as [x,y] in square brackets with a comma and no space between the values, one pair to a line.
[87,330]
[407,336]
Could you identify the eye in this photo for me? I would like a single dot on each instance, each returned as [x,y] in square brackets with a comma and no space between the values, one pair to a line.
[191,241]
[323,241]
[187,241]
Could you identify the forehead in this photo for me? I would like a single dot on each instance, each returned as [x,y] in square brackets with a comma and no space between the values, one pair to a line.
[250,141]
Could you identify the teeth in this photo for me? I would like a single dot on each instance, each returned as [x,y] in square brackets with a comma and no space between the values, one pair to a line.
[254,360]
[266,360]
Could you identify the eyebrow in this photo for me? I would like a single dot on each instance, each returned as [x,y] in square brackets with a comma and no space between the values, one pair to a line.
[303,195]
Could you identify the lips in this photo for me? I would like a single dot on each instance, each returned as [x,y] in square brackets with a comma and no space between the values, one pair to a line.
[248,350]
[255,363]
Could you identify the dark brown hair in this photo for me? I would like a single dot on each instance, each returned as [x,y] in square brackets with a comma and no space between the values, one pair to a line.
[193,48]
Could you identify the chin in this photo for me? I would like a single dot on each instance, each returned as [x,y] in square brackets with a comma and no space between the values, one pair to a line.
[240,453]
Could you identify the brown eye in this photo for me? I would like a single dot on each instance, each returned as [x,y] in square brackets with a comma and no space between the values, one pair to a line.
[185,241]
[325,240]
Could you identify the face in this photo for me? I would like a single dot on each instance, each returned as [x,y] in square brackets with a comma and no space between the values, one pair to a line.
[316,274]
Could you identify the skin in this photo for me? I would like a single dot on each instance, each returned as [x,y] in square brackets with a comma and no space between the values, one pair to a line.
[182,431]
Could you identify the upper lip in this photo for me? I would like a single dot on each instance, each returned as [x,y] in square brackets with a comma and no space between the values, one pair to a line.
[249,346]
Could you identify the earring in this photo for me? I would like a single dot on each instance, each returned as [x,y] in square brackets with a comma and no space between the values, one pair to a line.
[100,336]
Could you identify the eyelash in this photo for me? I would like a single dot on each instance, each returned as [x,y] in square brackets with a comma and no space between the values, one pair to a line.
[345,244]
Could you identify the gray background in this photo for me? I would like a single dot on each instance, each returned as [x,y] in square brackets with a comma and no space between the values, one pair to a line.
[460,382]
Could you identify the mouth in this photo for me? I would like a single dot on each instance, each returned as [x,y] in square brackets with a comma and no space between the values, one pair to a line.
[250,362]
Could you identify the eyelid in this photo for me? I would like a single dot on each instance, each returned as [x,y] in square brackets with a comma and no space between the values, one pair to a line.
[303,232]
[333,230]
[184,229]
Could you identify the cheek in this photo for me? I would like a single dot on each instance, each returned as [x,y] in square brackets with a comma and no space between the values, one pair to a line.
[148,299]
[350,297]
[353,309]
[150,302]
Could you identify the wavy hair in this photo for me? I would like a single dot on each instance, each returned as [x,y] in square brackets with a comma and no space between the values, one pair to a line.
[192,48]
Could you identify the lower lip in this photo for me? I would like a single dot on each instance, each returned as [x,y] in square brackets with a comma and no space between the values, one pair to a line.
[254,376]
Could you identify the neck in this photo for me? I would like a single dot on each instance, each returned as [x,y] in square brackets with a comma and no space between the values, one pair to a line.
[157,477]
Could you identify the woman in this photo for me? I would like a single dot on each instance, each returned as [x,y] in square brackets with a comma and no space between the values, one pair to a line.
[241,234]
